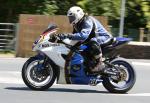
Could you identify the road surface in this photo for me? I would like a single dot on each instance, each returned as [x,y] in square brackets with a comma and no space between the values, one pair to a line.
[13,90]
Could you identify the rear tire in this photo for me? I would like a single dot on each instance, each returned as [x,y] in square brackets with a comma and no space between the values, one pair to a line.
[111,87]
[29,78]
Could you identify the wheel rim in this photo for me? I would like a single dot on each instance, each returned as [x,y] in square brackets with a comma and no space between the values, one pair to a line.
[125,82]
[35,80]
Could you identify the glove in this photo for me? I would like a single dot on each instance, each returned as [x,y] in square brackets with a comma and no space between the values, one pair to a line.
[64,36]
[52,36]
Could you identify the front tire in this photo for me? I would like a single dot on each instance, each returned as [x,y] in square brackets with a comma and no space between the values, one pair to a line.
[127,84]
[35,79]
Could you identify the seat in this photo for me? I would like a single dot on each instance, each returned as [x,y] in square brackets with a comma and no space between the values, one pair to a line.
[109,42]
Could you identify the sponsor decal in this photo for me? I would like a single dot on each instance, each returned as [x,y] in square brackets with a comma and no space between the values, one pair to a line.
[48,45]
[45,45]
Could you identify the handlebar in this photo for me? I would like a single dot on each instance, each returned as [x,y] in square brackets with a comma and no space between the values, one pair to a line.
[56,39]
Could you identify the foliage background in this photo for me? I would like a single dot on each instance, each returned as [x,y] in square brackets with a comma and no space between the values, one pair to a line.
[137,11]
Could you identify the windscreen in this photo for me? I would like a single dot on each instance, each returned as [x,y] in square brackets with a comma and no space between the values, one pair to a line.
[50,28]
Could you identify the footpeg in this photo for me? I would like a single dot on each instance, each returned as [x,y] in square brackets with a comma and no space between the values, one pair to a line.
[94,82]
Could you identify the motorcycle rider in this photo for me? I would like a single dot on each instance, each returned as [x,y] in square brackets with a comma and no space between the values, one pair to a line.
[90,31]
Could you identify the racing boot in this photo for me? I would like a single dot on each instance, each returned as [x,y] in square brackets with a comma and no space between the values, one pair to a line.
[99,65]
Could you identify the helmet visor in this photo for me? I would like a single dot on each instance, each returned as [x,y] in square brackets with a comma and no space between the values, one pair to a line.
[71,19]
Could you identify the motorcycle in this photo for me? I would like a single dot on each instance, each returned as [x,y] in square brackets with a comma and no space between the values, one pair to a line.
[57,60]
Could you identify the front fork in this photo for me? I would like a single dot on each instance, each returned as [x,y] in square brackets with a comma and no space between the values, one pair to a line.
[42,64]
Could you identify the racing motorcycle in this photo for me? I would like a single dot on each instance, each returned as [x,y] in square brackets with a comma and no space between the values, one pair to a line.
[58,60]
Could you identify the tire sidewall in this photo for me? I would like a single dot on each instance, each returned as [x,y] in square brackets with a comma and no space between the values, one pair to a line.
[27,82]
[132,76]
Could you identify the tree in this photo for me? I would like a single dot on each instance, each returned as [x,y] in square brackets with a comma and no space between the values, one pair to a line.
[137,10]
[146,9]
[107,8]
[64,6]
[111,9]
[10,9]
[134,12]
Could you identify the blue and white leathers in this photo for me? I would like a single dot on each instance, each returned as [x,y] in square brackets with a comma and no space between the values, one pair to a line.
[89,25]
[77,70]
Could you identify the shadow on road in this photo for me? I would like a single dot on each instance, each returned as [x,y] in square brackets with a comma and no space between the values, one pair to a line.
[59,90]
[75,90]
[18,88]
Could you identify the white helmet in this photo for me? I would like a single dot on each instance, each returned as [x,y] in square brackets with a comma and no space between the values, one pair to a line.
[75,14]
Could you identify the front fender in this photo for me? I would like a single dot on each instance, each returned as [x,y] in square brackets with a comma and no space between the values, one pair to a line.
[42,56]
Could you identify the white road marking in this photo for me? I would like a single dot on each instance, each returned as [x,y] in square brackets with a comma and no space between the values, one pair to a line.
[139,94]
[11,81]
[132,94]
[11,77]
[141,63]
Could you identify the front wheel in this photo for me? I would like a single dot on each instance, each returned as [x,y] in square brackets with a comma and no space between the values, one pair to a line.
[37,77]
[127,81]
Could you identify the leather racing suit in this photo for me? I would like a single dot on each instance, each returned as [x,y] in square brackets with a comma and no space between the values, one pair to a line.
[92,33]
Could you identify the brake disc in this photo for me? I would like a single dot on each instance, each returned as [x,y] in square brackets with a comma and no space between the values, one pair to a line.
[123,74]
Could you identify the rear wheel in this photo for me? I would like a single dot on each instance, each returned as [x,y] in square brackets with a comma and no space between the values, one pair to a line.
[37,77]
[126,81]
